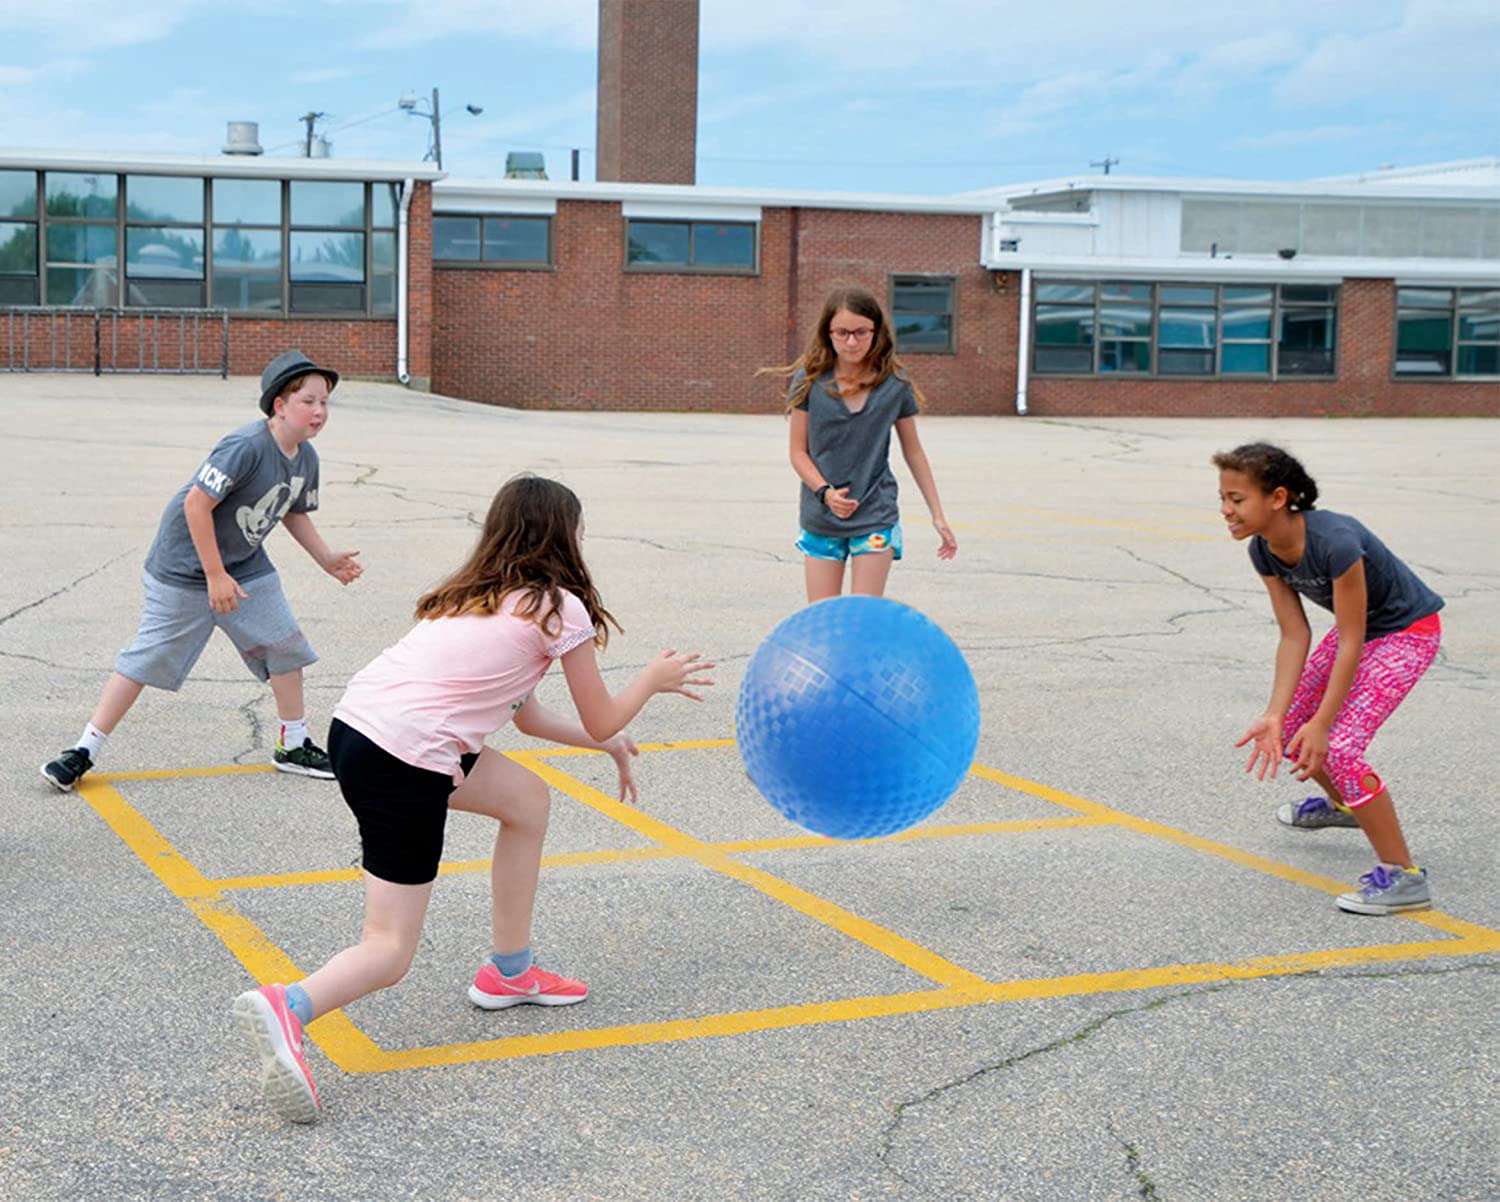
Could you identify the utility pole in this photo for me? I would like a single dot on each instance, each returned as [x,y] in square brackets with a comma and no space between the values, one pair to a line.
[437,130]
[1105,163]
[310,118]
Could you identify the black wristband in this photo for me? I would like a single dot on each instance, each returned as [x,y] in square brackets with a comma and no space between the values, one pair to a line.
[820,492]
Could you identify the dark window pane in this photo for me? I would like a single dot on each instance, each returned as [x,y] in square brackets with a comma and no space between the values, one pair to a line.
[1479,360]
[1065,292]
[455,238]
[163,254]
[383,280]
[1065,325]
[1256,294]
[247,201]
[1307,329]
[1184,363]
[1245,359]
[1424,298]
[81,244]
[1475,325]
[17,193]
[18,247]
[17,290]
[922,331]
[1073,361]
[717,245]
[922,296]
[1247,323]
[174,294]
[1124,321]
[1125,292]
[1485,298]
[328,298]
[516,239]
[334,258]
[1173,294]
[91,286]
[1124,356]
[1424,331]
[658,242]
[163,198]
[1186,328]
[321,202]
[1317,294]
[247,269]
[81,194]
[385,204]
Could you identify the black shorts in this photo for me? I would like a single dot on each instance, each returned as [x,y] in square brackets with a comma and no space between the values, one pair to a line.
[401,810]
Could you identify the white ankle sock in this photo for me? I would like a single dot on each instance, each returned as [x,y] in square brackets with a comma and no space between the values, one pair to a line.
[92,741]
[293,733]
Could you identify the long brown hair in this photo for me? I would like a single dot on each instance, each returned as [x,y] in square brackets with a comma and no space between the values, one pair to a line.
[529,545]
[820,357]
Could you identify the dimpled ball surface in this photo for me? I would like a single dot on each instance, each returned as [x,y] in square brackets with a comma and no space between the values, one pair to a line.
[857,717]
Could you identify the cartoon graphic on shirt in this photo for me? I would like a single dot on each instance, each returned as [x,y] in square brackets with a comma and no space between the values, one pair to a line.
[258,520]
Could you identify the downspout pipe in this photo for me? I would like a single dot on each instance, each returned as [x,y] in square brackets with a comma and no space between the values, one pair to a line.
[1023,344]
[403,271]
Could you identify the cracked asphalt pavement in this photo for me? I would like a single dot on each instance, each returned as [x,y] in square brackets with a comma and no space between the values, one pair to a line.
[1121,642]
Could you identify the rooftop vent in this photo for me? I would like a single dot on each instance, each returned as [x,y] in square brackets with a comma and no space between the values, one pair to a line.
[525,164]
[244,138]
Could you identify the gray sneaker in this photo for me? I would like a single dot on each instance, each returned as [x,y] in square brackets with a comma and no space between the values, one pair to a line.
[1382,891]
[1314,814]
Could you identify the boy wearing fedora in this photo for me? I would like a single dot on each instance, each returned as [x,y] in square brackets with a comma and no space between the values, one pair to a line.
[208,568]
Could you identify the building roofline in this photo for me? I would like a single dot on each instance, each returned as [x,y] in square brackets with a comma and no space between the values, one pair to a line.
[1259,268]
[451,192]
[1346,189]
[232,165]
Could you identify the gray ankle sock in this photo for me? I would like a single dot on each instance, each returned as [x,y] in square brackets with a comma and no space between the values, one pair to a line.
[513,964]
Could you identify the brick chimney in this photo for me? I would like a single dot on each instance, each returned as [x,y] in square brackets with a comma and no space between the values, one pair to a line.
[648,91]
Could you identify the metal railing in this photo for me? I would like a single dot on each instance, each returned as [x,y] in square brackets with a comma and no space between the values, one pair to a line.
[66,338]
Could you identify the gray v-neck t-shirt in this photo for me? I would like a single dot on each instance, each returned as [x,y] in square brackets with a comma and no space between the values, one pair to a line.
[854,449]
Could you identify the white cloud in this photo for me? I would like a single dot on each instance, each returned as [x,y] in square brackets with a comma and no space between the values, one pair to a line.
[1320,135]
[328,74]
[84,25]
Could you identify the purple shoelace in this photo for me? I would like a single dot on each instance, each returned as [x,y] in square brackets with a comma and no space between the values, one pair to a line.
[1377,878]
[1311,806]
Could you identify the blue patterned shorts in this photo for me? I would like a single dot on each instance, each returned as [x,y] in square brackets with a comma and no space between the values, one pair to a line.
[824,546]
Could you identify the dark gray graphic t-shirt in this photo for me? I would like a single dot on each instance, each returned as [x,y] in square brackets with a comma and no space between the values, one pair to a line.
[1396,597]
[256,486]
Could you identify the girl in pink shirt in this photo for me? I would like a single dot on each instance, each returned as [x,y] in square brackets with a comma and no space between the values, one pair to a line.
[407,745]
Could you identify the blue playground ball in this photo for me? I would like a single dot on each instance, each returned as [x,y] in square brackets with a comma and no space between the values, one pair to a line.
[857,717]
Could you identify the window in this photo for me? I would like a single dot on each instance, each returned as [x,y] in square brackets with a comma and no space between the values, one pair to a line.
[326,247]
[81,211]
[714,246]
[18,238]
[505,239]
[1380,229]
[922,314]
[164,241]
[1447,332]
[247,244]
[1189,329]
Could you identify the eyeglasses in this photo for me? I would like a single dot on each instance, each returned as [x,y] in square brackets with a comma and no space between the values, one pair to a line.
[852,335]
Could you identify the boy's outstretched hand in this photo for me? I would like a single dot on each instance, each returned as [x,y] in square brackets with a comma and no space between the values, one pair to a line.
[344,567]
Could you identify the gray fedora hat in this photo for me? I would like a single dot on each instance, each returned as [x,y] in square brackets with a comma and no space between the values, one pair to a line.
[287,366]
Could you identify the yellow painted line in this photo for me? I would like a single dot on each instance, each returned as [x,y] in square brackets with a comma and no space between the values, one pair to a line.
[854,1009]
[632,855]
[1156,830]
[888,943]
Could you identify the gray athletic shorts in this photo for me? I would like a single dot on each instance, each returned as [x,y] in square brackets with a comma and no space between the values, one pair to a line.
[177,622]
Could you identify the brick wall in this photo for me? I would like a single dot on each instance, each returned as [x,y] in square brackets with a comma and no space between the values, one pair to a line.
[590,335]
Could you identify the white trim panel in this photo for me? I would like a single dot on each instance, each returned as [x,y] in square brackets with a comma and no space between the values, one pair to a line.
[688,211]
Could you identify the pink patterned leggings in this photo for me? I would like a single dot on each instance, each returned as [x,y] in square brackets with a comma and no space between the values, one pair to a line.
[1388,667]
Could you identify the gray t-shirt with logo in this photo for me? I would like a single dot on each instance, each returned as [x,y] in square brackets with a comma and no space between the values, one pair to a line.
[256,486]
[854,449]
[1335,543]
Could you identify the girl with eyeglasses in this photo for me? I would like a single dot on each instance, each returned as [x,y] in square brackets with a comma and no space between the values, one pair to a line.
[848,390]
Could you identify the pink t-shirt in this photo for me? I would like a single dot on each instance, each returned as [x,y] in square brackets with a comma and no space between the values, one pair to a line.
[452,682]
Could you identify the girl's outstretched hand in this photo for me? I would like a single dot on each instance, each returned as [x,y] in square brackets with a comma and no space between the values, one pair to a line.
[1265,733]
[622,747]
[679,672]
[949,547]
[1309,746]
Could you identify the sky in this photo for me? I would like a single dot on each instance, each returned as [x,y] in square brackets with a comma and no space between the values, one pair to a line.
[905,96]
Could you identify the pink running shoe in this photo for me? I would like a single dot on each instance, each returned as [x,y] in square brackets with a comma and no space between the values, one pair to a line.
[263,1015]
[534,987]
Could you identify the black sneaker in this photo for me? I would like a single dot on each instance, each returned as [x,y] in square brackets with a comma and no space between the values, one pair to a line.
[307,760]
[64,772]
